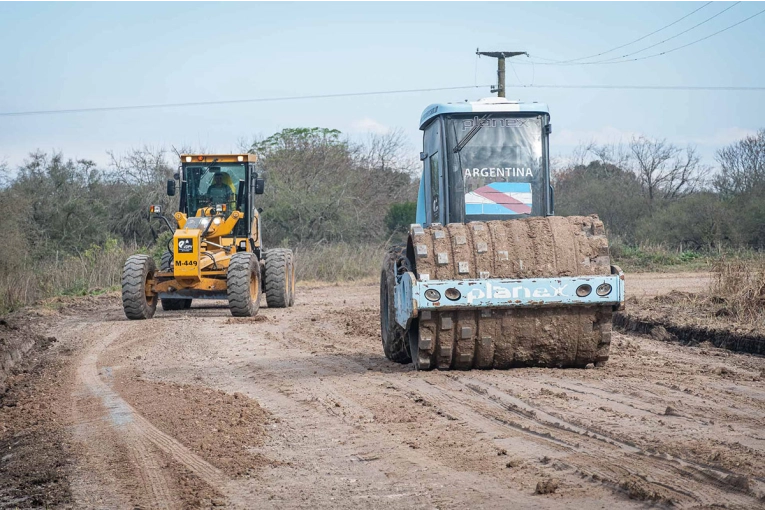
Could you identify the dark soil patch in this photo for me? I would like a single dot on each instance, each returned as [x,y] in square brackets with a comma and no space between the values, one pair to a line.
[691,319]
[34,442]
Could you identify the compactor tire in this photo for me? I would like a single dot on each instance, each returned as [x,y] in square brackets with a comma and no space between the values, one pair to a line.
[243,285]
[137,303]
[394,338]
[280,281]
[169,305]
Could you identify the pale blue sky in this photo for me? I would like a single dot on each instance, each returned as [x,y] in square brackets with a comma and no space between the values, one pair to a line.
[80,55]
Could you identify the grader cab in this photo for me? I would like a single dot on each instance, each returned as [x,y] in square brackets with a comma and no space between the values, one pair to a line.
[216,251]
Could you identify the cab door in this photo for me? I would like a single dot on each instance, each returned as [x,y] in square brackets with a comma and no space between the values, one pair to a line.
[433,173]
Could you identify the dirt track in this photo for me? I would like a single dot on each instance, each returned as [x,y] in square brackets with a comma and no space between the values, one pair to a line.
[299,409]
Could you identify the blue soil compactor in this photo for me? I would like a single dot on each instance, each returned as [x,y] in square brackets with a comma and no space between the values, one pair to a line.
[489,277]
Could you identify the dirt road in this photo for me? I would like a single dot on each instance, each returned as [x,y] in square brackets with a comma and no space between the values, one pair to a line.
[299,408]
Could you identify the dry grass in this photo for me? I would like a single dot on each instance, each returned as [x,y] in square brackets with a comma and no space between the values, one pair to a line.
[95,270]
[741,286]
[339,262]
[100,268]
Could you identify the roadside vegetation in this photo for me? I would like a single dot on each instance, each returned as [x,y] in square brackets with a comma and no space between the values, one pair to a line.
[68,225]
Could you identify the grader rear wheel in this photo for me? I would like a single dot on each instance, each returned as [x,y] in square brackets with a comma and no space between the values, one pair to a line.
[280,278]
[138,300]
[291,274]
[243,285]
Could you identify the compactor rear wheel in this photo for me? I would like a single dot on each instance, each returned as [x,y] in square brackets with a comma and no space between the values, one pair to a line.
[166,264]
[243,285]
[394,338]
[138,300]
[280,278]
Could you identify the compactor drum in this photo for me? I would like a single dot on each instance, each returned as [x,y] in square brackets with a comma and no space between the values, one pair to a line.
[489,278]
[216,251]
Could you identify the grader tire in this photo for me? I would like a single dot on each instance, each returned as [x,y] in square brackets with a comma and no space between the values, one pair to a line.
[169,305]
[394,338]
[243,285]
[291,274]
[137,300]
[279,278]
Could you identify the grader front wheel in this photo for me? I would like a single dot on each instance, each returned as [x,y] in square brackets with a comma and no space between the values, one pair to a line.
[138,299]
[243,285]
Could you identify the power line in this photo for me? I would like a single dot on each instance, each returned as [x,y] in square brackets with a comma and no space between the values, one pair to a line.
[233,101]
[685,45]
[647,87]
[627,44]
[615,61]
[669,38]
[384,92]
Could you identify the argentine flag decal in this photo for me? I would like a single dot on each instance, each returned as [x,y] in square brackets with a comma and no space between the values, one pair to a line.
[500,198]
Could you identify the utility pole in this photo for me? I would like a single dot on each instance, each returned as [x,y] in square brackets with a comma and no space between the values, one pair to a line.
[500,56]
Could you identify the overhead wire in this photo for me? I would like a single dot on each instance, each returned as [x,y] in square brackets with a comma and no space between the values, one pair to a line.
[650,87]
[622,59]
[382,92]
[667,39]
[690,43]
[629,43]
[233,101]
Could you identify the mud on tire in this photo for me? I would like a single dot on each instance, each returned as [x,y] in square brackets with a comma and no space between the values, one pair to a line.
[394,338]
[166,264]
[280,278]
[137,303]
[243,285]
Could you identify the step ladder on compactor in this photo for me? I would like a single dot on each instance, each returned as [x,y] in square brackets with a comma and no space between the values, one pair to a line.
[489,278]
[216,252]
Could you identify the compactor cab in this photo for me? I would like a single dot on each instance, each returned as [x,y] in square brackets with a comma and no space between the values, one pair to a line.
[489,278]
[216,251]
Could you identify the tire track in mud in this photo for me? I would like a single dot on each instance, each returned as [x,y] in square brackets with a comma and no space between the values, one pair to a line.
[139,436]
[618,465]
[589,452]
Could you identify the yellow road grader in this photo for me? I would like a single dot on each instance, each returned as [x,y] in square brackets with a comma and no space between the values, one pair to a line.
[216,251]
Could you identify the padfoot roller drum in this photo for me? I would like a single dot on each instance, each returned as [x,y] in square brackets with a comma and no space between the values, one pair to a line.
[502,294]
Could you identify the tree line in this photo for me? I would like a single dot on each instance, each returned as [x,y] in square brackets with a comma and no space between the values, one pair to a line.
[323,188]
[320,188]
[653,191]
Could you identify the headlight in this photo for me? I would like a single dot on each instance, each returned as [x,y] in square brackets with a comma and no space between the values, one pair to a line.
[452,294]
[603,289]
[432,295]
[204,222]
[583,290]
[216,221]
